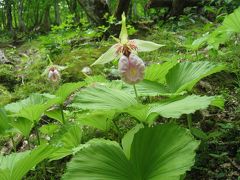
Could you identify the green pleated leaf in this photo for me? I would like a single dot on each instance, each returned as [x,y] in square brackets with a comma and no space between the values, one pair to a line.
[108,56]
[4,122]
[172,108]
[68,138]
[185,75]
[55,114]
[128,139]
[163,152]
[158,153]
[98,119]
[157,72]
[16,165]
[101,160]
[148,88]
[23,125]
[145,46]
[104,98]
[33,99]
[33,107]
[67,89]
[232,21]
[177,107]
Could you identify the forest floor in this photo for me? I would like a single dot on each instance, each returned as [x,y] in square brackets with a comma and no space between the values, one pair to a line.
[219,154]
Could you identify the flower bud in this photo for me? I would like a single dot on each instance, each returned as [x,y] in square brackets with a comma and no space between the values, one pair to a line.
[53,74]
[87,70]
[131,69]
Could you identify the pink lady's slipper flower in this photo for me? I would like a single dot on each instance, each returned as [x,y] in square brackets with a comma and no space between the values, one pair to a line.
[125,47]
[131,69]
[53,73]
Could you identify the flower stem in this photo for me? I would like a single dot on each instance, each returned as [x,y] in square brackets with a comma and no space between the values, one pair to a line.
[135,90]
[13,144]
[189,120]
[38,136]
[196,53]
[62,113]
[118,130]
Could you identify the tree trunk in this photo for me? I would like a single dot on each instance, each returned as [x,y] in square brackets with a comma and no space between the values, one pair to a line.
[72,6]
[57,12]
[176,6]
[95,10]
[22,26]
[37,20]
[8,7]
[123,6]
[3,25]
[46,26]
[14,15]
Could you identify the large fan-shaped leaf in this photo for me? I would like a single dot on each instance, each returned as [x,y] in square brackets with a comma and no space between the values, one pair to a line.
[173,108]
[149,88]
[232,21]
[23,125]
[185,75]
[33,99]
[33,107]
[158,153]
[4,121]
[16,165]
[67,89]
[98,119]
[102,97]
[157,72]
[68,138]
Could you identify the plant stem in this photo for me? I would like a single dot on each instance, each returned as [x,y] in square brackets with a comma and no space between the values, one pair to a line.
[135,90]
[38,136]
[189,120]
[62,113]
[28,140]
[13,144]
[44,169]
[196,53]
[118,130]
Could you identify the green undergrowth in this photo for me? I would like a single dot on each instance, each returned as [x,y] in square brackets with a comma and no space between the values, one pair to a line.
[220,140]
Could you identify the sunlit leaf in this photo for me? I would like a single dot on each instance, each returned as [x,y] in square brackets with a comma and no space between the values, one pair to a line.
[67,89]
[185,75]
[128,139]
[157,72]
[232,21]
[16,165]
[4,121]
[68,138]
[33,107]
[103,98]
[171,108]
[98,119]
[148,88]
[23,125]
[155,153]
[55,114]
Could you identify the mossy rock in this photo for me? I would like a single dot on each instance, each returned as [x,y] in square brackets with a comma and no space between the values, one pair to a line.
[8,76]
[5,96]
